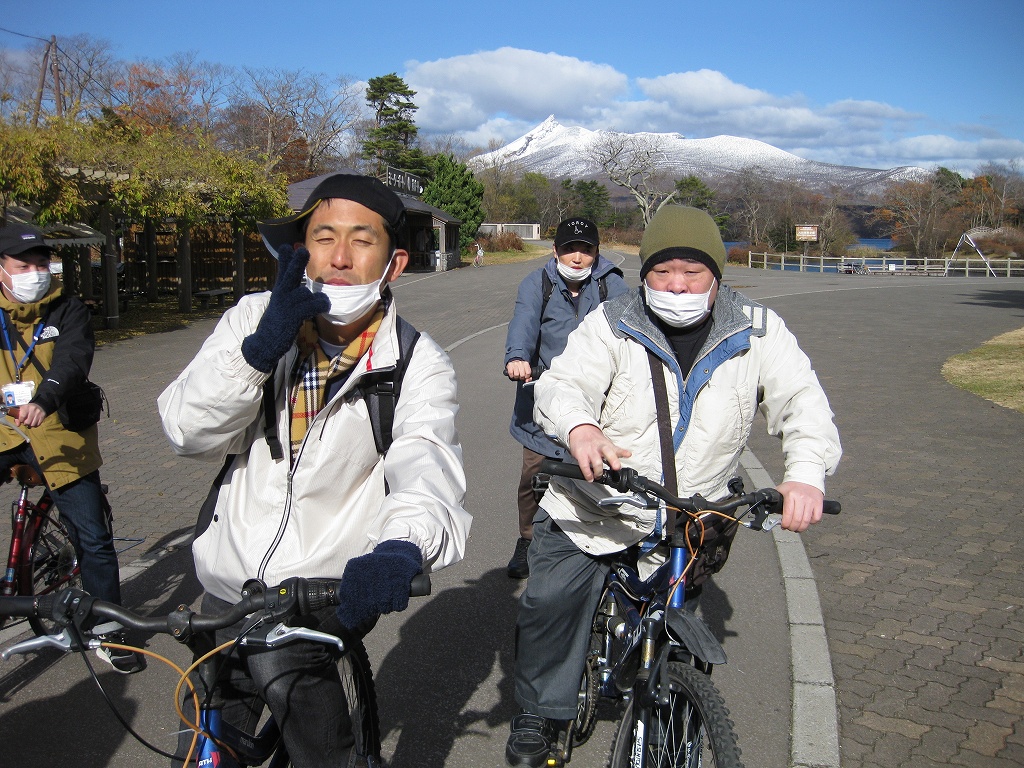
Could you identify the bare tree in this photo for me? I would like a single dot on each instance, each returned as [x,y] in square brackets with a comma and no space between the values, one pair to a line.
[291,114]
[633,162]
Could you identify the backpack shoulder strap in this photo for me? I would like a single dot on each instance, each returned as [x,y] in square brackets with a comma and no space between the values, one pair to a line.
[381,392]
[602,287]
[546,287]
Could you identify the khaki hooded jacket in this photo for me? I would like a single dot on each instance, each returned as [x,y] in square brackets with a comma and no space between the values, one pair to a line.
[59,363]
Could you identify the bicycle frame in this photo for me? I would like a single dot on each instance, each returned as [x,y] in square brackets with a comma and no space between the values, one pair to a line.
[27,519]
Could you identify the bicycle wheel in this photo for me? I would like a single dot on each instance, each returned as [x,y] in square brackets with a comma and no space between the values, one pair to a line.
[692,730]
[357,680]
[51,565]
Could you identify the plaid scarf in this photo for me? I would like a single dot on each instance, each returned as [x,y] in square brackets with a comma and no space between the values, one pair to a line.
[314,371]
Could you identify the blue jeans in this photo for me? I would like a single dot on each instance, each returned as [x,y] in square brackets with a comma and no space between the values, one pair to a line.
[82,510]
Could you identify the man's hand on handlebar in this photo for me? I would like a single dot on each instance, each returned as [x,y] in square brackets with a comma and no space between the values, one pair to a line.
[519,370]
[801,505]
[28,415]
[592,450]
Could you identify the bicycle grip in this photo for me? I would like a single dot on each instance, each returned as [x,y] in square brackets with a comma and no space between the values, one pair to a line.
[564,469]
[830,507]
[420,586]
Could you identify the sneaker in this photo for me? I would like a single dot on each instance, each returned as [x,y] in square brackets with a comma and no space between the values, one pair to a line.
[529,743]
[518,567]
[125,662]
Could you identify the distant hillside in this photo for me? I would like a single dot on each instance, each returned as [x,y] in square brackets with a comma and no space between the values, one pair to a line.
[558,151]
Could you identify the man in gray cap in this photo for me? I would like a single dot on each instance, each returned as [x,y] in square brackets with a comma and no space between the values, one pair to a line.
[722,358]
[332,501]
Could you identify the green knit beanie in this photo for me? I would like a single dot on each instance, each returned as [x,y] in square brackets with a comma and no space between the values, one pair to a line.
[681,232]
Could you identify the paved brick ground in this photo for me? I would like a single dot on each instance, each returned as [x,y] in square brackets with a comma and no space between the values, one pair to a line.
[921,581]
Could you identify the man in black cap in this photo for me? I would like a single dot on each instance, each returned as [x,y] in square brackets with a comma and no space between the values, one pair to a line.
[552,301]
[328,503]
[47,353]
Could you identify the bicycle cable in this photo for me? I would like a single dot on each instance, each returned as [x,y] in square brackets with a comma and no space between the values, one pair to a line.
[113,708]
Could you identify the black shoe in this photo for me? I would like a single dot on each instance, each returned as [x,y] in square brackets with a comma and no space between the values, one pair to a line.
[530,741]
[125,662]
[518,567]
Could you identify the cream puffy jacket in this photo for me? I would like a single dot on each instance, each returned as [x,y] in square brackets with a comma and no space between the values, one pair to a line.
[273,521]
[750,361]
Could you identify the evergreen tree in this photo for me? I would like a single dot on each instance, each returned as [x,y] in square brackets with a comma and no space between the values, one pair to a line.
[392,139]
[455,190]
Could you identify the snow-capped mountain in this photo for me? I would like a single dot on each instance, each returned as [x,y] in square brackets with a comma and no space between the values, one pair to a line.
[559,151]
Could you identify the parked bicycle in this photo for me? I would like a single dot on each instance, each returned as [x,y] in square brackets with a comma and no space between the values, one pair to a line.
[81,618]
[647,651]
[41,558]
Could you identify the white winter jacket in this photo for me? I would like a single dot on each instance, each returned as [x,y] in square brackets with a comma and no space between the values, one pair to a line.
[271,521]
[749,361]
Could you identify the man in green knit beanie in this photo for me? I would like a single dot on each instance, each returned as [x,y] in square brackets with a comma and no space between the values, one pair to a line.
[722,357]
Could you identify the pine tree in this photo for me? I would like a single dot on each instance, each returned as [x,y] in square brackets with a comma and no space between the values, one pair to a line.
[392,140]
[455,190]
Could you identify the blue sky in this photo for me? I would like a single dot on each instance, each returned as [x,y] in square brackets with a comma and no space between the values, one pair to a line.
[872,83]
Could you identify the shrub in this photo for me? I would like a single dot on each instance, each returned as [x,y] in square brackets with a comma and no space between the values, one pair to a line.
[1008,241]
[622,236]
[738,254]
[503,241]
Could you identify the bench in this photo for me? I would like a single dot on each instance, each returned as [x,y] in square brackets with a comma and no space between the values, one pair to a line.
[214,293]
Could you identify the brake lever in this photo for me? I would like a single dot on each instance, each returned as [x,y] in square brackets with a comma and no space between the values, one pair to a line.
[631,499]
[281,634]
[61,642]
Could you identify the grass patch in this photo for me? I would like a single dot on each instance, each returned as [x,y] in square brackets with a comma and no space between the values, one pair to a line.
[143,318]
[994,371]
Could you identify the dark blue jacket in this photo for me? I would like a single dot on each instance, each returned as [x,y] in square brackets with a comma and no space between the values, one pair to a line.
[539,339]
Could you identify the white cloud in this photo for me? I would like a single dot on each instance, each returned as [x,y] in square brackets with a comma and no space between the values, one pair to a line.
[501,94]
[527,85]
[702,92]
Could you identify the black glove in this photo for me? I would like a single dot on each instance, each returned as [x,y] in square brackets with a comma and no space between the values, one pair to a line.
[378,582]
[291,302]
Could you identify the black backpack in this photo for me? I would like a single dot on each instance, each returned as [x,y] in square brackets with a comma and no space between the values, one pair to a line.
[380,390]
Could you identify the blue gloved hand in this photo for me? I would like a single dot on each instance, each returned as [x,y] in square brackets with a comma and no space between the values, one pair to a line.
[378,582]
[291,303]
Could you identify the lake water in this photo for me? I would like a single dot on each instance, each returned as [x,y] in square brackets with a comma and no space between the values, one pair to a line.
[878,243]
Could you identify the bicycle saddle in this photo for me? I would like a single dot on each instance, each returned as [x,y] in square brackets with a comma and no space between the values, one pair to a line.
[24,475]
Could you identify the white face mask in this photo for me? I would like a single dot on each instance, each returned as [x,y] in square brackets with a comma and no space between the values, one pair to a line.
[348,302]
[29,287]
[571,274]
[678,309]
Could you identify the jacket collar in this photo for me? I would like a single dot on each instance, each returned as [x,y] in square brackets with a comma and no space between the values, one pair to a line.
[28,313]
[733,312]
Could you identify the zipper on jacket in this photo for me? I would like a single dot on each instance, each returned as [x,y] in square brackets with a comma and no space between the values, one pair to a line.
[286,515]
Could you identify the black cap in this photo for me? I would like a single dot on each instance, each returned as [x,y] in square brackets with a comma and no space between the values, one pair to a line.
[17,238]
[576,230]
[365,190]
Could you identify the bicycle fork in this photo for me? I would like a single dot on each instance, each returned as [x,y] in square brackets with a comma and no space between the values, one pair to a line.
[648,689]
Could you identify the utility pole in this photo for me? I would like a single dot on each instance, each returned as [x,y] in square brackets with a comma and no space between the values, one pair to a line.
[42,81]
[58,96]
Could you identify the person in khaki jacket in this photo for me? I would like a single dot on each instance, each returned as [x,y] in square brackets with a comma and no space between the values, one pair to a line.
[47,353]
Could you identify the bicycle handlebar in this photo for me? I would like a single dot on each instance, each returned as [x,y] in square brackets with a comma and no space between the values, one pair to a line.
[629,480]
[293,597]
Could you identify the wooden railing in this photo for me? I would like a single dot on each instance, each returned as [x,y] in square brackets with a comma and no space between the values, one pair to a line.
[890,264]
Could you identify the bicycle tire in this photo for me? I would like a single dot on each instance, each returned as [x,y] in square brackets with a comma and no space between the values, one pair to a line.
[693,730]
[361,695]
[51,565]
